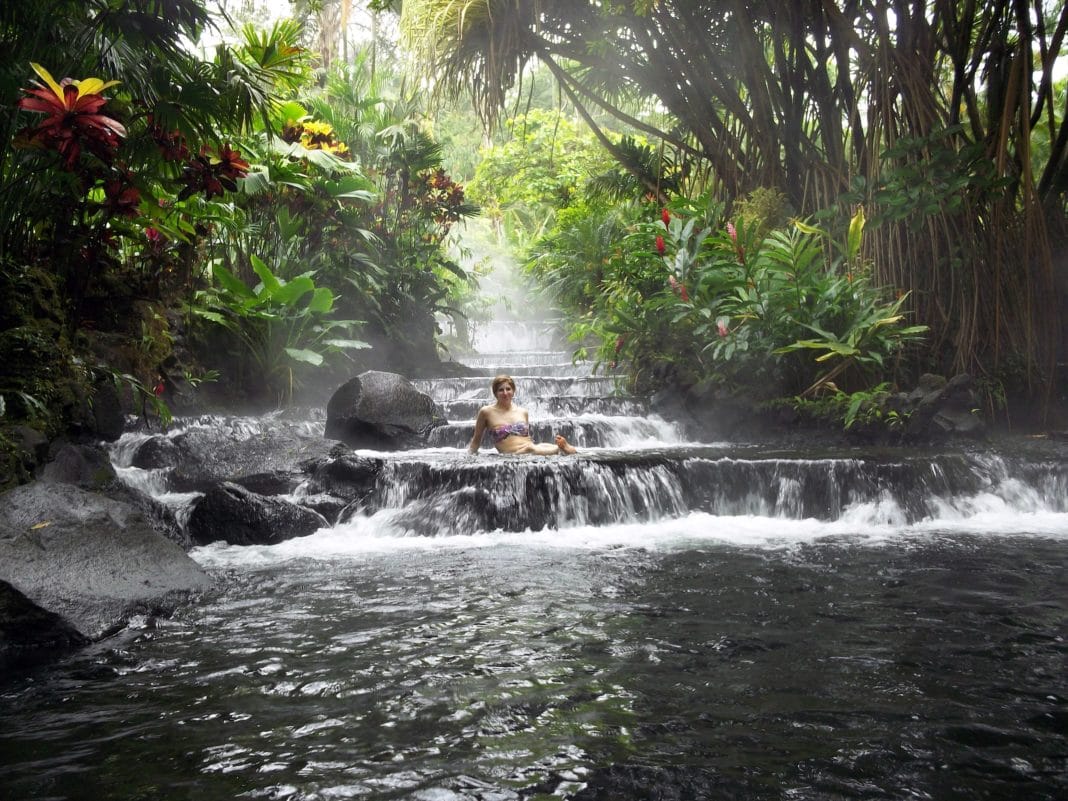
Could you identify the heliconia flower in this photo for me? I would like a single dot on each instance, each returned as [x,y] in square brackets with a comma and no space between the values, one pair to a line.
[74,120]
[721,328]
[665,216]
[678,288]
[660,248]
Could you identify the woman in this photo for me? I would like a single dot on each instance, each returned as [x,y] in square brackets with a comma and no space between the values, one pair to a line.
[510,425]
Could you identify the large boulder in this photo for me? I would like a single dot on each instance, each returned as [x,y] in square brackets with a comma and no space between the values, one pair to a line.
[233,514]
[264,458]
[93,560]
[381,411]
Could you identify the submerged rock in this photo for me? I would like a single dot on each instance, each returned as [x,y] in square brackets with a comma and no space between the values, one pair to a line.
[29,633]
[233,514]
[383,411]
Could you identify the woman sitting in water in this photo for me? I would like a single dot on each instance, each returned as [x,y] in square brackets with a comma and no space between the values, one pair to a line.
[510,425]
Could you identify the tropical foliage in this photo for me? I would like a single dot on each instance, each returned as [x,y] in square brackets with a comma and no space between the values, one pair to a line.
[224,215]
[941,119]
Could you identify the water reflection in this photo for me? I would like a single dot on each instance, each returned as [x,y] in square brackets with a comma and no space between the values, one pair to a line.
[831,669]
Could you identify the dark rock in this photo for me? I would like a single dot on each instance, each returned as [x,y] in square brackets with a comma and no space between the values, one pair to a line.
[381,411]
[329,506]
[156,453]
[928,384]
[228,450]
[233,514]
[943,409]
[85,466]
[31,442]
[108,418]
[29,633]
[93,560]
[273,482]
[350,477]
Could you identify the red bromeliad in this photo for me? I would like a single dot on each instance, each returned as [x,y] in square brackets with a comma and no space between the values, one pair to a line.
[121,197]
[213,174]
[74,120]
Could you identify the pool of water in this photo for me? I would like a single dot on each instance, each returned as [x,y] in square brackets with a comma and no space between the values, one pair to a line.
[697,658]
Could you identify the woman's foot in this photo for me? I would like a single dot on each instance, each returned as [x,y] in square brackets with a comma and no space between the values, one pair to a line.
[564,445]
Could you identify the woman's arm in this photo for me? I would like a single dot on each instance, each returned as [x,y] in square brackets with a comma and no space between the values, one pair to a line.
[480,429]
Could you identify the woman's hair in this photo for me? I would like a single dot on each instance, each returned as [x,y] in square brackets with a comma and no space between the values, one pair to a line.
[499,380]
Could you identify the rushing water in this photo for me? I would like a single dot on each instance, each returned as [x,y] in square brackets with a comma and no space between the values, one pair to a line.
[902,636]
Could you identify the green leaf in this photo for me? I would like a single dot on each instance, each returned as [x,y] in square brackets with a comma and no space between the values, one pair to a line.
[306,356]
[322,300]
[270,281]
[347,344]
[856,233]
[231,283]
[289,294]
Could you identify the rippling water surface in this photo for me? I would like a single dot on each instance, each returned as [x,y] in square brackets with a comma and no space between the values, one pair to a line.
[689,659]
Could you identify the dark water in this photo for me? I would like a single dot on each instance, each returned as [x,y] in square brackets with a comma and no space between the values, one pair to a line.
[921,665]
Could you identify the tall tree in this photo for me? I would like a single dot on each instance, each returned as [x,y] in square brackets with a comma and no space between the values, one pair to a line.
[924,111]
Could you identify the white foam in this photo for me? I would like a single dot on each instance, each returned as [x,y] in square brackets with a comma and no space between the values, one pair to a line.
[869,525]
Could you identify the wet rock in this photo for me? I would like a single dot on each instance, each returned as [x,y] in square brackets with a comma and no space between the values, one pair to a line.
[156,453]
[349,477]
[231,450]
[91,559]
[942,409]
[272,482]
[85,466]
[233,514]
[29,633]
[381,411]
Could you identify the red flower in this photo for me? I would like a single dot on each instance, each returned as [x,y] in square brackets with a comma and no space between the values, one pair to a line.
[619,343]
[660,245]
[158,389]
[229,166]
[74,120]
[121,198]
[721,328]
[665,216]
[171,144]
[678,288]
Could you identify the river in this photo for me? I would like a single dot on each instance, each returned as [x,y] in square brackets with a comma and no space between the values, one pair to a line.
[715,634]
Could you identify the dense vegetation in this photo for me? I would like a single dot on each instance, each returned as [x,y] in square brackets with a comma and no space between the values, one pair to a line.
[778,199]
[940,122]
[235,219]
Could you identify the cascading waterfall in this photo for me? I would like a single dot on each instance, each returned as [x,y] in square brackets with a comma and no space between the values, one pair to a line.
[649,618]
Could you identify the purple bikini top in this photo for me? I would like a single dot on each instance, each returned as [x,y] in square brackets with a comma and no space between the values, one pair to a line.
[519,429]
